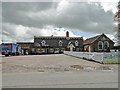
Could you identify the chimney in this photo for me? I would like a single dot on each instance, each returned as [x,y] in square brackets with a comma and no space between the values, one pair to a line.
[67,34]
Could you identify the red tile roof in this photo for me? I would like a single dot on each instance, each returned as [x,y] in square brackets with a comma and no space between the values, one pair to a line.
[91,40]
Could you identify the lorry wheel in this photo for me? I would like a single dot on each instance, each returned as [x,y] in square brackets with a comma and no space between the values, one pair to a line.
[6,55]
[17,54]
[14,54]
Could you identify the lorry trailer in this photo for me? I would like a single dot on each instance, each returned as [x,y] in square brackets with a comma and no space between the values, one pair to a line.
[10,49]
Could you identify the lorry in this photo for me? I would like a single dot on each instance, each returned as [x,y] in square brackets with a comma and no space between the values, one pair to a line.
[11,49]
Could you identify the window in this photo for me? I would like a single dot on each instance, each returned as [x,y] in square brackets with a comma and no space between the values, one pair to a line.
[38,50]
[77,49]
[43,43]
[100,45]
[3,48]
[51,50]
[42,50]
[33,49]
[76,43]
[57,50]
[86,48]
[106,45]
[60,43]
[62,49]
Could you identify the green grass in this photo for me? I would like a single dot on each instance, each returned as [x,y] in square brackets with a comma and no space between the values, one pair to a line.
[113,60]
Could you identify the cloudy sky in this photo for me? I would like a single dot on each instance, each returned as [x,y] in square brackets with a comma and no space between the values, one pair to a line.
[22,20]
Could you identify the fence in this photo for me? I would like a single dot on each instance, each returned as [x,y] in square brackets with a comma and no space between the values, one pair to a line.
[99,57]
[111,57]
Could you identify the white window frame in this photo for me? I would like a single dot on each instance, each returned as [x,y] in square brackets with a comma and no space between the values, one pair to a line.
[57,49]
[107,44]
[51,50]
[60,43]
[38,49]
[62,49]
[98,45]
[42,50]
[85,48]
[43,42]
[76,43]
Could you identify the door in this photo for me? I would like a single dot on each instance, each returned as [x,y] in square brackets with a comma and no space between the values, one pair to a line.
[71,48]
[47,50]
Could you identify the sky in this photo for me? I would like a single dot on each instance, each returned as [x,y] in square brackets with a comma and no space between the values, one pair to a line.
[21,21]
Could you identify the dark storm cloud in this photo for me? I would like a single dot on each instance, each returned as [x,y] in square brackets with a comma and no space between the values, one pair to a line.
[14,12]
[0,15]
[87,17]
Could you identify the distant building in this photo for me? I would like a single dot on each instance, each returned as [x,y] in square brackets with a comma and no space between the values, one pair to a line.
[27,47]
[52,44]
[58,44]
[100,43]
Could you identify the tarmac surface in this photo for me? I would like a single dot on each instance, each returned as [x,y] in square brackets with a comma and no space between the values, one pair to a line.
[56,71]
[61,80]
[52,63]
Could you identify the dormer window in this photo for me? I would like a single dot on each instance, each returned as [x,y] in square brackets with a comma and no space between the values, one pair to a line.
[76,43]
[60,43]
[43,43]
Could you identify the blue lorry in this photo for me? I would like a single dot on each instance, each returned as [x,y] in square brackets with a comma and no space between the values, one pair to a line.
[10,49]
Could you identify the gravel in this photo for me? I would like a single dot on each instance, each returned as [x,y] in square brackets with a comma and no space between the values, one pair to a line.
[52,63]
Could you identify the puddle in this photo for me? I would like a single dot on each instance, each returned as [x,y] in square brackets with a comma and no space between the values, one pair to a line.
[88,68]
[104,68]
[77,67]
[66,69]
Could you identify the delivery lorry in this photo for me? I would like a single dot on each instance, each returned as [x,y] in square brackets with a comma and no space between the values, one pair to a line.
[11,49]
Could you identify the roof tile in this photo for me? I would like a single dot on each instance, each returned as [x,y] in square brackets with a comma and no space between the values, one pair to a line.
[91,40]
